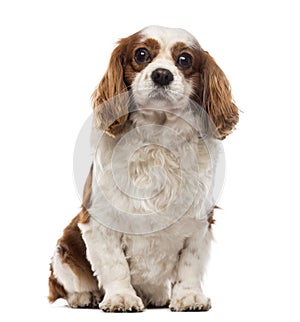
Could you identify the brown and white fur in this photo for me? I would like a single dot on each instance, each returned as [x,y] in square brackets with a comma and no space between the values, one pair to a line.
[120,271]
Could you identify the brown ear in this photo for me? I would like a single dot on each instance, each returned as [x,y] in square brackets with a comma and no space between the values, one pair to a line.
[110,99]
[215,96]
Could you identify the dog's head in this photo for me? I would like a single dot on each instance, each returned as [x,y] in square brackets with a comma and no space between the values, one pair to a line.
[164,65]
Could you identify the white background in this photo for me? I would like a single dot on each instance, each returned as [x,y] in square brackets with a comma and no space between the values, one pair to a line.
[53,53]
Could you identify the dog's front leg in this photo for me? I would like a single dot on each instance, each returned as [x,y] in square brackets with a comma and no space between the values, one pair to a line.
[104,251]
[187,294]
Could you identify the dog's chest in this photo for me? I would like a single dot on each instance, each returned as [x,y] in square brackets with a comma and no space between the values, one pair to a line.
[149,178]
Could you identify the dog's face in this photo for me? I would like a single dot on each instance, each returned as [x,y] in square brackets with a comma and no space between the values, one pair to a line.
[165,67]
[162,66]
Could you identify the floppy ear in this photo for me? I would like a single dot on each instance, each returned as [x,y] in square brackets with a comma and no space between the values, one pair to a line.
[110,99]
[215,96]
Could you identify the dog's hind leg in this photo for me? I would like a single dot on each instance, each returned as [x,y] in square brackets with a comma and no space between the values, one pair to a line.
[71,276]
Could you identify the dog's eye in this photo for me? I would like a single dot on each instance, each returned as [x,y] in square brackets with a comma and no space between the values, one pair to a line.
[185,60]
[142,56]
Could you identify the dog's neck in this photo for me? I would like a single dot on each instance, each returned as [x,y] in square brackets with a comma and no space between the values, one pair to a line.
[181,121]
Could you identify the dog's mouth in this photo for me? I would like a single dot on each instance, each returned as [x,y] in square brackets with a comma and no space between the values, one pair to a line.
[158,97]
[164,94]
[160,94]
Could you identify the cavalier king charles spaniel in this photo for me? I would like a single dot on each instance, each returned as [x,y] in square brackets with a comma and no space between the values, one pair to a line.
[142,238]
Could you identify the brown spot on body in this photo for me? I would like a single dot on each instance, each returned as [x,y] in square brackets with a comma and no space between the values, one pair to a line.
[84,216]
[211,219]
[87,190]
[56,290]
[72,251]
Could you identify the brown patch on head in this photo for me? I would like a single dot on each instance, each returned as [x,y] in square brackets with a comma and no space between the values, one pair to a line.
[181,48]
[132,67]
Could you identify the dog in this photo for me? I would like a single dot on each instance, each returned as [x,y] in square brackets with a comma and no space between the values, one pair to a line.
[143,236]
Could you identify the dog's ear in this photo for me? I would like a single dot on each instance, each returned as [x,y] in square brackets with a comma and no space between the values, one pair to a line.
[110,99]
[215,96]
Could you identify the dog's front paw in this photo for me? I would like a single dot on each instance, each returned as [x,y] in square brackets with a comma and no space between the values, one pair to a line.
[190,301]
[122,303]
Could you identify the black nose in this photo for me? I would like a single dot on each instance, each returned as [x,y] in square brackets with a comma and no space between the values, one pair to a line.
[162,76]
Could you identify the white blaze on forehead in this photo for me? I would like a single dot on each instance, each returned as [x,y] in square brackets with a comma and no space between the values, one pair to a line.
[169,36]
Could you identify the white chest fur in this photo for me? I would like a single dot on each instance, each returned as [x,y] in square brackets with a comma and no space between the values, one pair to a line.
[152,176]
